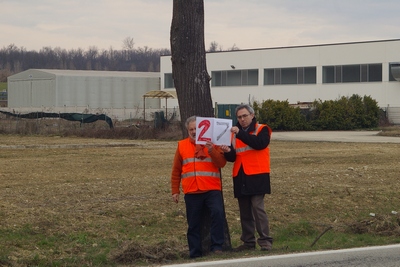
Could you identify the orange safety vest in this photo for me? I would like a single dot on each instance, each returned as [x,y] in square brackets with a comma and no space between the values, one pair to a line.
[253,161]
[197,174]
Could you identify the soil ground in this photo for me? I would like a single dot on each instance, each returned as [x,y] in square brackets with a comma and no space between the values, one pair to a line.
[118,190]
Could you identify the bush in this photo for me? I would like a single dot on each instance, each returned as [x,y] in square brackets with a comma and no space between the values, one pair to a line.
[346,113]
[279,115]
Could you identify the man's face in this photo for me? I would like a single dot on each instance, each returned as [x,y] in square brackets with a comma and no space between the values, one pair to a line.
[192,130]
[244,117]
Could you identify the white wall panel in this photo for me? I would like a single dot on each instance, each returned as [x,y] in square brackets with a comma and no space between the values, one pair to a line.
[384,52]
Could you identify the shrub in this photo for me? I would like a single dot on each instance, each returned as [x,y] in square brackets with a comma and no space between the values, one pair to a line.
[345,113]
[279,115]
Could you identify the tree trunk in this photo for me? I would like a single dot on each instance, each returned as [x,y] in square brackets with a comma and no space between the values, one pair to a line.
[188,55]
[191,79]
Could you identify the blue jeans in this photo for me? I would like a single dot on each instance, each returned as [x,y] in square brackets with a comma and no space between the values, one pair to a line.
[195,204]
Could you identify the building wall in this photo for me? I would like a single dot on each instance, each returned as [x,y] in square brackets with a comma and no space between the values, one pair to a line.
[105,92]
[63,88]
[118,93]
[386,92]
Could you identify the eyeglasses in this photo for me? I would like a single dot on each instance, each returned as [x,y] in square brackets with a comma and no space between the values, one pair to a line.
[244,116]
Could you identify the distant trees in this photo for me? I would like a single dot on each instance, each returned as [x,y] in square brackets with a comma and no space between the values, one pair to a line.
[15,59]
[214,47]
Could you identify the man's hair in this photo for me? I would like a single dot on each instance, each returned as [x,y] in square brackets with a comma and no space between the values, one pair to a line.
[189,120]
[246,106]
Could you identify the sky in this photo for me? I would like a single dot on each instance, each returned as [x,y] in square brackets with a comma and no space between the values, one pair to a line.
[245,24]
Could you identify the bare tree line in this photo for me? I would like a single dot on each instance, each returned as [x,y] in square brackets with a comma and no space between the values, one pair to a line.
[15,59]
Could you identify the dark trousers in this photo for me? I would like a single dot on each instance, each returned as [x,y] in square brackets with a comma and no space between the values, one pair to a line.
[195,204]
[253,217]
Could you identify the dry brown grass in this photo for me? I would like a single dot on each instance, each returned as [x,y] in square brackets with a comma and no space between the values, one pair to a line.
[391,131]
[113,196]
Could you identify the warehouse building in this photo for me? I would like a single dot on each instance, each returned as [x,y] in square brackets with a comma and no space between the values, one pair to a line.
[302,74]
[118,94]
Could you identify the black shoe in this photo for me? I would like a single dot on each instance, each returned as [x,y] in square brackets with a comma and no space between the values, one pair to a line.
[266,248]
[244,247]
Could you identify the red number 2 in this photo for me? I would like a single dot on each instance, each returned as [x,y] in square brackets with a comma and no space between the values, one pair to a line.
[206,125]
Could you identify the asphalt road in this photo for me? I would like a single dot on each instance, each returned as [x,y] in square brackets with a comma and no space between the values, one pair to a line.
[378,256]
[335,136]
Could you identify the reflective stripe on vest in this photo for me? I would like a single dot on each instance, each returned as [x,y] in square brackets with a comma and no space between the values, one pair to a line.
[190,174]
[197,174]
[188,160]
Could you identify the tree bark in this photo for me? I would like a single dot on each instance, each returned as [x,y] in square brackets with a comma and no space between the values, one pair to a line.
[188,55]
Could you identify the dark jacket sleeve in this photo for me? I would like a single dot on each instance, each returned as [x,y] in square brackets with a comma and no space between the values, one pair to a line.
[257,142]
[231,155]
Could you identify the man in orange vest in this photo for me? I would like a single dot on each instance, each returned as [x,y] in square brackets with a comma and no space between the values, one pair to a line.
[197,168]
[250,153]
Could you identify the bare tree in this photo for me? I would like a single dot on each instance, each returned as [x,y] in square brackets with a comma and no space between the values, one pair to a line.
[191,79]
[128,43]
[188,56]
[234,47]
[214,46]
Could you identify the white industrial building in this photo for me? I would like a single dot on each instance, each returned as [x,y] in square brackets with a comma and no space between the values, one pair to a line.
[301,74]
[117,94]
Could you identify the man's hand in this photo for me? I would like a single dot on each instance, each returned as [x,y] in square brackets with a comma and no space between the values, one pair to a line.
[175,198]
[225,148]
[234,129]
[209,145]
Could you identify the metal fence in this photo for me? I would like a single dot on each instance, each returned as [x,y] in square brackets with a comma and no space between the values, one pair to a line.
[393,115]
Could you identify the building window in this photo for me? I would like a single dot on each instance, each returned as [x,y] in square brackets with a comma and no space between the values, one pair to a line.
[300,75]
[352,73]
[168,81]
[375,72]
[289,76]
[310,75]
[234,77]
[269,77]
[395,68]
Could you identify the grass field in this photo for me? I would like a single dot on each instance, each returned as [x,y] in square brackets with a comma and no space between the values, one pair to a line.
[3,86]
[67,201]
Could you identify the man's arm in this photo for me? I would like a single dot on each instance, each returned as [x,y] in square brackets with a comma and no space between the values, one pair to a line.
[229,153]
[176,173]
[257,142]
[217,156]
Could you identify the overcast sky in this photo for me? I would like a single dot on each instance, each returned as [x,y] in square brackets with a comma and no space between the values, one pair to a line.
[72,24]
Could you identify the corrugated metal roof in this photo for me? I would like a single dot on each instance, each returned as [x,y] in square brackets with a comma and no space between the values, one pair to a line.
[41,73]
[101,73]
[160,94]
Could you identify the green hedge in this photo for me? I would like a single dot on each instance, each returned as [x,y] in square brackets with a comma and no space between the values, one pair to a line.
[346,113]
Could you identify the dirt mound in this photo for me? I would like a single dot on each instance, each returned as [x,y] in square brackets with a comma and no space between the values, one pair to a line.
[163,252]
[386,225]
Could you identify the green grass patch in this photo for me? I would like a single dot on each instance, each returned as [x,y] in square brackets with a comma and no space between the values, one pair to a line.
[304,236]
[3,86]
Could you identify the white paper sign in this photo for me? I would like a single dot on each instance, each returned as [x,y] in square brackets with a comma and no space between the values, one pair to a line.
[213,129]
